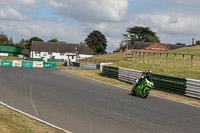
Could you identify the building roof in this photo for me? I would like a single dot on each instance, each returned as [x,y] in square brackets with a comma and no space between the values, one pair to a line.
[173,46]
[143,45]
[61,47]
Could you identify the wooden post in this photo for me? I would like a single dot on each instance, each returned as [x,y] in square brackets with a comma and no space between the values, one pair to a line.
[143,57]
[183,60]
[160,58]
[174,60]
[154,57]
[148,57]
[166,59]
[139,57]
[191,60]
[135,56]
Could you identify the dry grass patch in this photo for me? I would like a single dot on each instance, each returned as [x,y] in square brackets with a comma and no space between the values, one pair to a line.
[14,122]
[10,58]
[95,74]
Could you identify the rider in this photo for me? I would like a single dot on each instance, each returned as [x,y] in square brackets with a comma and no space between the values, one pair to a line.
[147,75]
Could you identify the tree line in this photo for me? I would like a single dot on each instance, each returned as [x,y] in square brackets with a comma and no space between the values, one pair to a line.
[95,40]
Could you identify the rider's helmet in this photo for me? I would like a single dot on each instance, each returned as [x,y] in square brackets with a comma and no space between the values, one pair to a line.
[149,72]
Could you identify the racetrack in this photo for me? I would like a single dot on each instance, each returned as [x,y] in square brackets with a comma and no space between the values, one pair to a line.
[82,105]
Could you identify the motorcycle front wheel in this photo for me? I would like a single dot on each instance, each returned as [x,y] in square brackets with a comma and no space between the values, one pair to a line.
[145,93]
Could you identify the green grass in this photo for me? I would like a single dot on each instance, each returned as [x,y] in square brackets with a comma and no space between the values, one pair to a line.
[179,66]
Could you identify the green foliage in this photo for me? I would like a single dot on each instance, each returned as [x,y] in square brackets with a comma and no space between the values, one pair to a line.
[142,34]
[22,43]
[30,41]
[4,40]
[53,40]
[97,42]
[198,42]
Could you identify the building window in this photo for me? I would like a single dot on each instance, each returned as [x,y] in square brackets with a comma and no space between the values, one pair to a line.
[158,46]
[37,52]
[50,53]
[61,53]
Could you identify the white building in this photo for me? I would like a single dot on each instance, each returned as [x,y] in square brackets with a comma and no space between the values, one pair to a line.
[55,50]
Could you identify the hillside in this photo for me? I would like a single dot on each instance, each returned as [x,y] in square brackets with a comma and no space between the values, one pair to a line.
[187,50]
[180,71]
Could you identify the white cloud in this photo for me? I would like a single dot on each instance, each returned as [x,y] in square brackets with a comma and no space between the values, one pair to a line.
[44,29]
[11,13]
[95,10]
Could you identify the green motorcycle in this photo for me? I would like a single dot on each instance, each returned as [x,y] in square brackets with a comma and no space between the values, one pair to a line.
[143,88]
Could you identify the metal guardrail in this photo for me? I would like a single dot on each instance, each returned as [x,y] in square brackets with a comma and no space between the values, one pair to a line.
[177,85]
[88,66]
[128,75]
[193,88]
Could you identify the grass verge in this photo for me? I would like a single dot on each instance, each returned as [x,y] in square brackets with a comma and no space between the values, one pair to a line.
[14,122]
[95,74]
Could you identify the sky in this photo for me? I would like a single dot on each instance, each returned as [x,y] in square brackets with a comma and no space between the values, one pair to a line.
[174,21]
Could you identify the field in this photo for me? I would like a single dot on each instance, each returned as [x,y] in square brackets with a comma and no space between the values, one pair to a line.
[174,66]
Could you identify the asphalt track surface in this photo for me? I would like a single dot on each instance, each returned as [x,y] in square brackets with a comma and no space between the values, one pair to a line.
[82,105]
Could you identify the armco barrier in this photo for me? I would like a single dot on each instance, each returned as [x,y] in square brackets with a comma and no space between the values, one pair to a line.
[37,64]
[6,63]
[111,71]
[27,64]
[128,75]
[88,66]
[76,64]
[49,64]
[177,85]
[17,63]
[169,83]
[193,88]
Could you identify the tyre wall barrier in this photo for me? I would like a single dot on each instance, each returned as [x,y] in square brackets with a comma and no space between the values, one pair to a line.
[177,85]
[27,63]
[37,64]
[23,63]
[17,63]
[49,64]
[7,63]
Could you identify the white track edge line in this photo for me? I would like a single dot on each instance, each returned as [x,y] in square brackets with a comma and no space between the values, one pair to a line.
[186,103]
[35,118]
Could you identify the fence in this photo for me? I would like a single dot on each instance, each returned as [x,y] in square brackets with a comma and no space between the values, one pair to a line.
[94,61]
[166,59]
[177,85]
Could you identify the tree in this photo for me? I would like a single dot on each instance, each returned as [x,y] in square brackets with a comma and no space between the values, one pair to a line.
[4,39]
[53,40]
[97,42]
[142,34]
[198,42]
[28,44]
[22,43]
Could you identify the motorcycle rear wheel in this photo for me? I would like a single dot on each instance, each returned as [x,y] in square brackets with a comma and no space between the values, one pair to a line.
[133,91]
